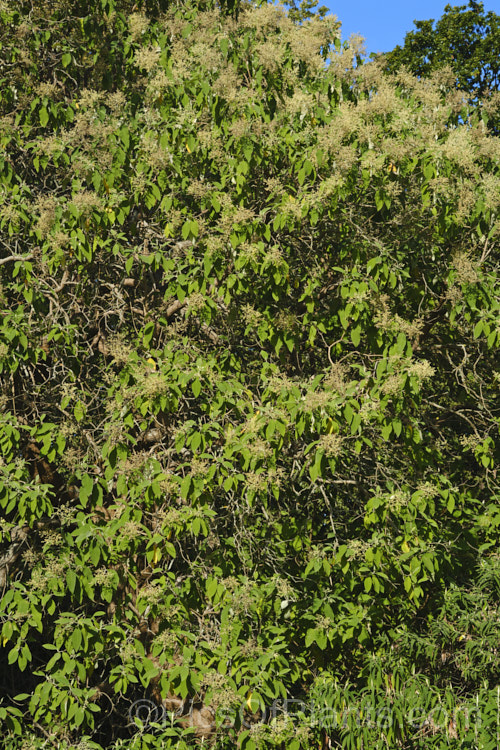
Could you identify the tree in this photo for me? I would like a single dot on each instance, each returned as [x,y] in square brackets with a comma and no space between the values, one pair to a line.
[307,9]
[249,414]
[465,39]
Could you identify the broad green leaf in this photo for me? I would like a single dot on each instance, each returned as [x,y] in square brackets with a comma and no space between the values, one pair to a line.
[44,116]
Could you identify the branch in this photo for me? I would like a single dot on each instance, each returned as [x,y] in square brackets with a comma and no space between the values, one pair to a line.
[18,537]
[16,257]
[174,307]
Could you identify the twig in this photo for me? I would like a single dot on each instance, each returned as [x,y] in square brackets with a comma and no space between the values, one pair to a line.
[174,307]
[15,257]
[18,537]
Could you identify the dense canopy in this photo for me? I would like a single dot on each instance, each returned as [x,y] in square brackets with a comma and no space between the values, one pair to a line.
[465,40]
[249,386]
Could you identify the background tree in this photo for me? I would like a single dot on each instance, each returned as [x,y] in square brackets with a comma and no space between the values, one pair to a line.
[466,40]
[305,9]
[249,375]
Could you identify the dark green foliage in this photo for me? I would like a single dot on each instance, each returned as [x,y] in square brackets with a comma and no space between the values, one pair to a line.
[466,40]
[305,9]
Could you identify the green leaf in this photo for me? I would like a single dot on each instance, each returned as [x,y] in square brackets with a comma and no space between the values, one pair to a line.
[44,116]
[13,655]
[270,429]
[427,560]
[79,411]
[386,431]
[315,470]
[318,636]
[397,426]
[71,579]
[185,486]
[186,230]
[87,486]
[211,587]
[355,423]
[356,335]
[169,547]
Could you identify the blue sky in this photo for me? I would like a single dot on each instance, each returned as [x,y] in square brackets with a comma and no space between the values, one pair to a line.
[384,23]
